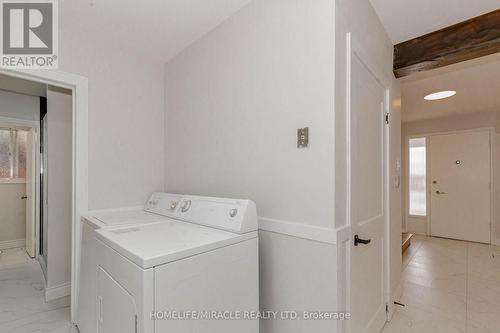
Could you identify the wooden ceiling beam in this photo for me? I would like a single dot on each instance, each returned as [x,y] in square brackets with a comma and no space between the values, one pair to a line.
[474,38]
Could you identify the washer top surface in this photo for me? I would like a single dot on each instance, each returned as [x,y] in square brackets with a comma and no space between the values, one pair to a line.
[155,244]
[114,218]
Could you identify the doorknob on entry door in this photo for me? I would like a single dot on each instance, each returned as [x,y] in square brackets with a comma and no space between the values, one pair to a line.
[439,192]
[24,197]
[358,240]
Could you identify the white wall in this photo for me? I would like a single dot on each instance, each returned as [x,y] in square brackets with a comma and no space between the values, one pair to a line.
[302,278]
[59,155]
[359,18]
[234,101]
[455,123]
[18,106]
[12,212]
[126,118]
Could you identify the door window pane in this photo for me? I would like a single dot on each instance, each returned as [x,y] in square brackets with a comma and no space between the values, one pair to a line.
[417,177]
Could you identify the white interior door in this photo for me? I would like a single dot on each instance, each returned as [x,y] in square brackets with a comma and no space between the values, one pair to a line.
[367,198]
[30,193]
[460,186]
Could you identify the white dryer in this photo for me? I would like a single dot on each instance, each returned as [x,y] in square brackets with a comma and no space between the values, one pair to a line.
[112,218]
[196,272]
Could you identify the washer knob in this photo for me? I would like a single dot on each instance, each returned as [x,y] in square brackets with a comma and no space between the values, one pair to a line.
[185,205]
[233,212]
[173,204]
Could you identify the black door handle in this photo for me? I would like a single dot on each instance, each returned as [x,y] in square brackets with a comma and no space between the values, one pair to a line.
[358,240]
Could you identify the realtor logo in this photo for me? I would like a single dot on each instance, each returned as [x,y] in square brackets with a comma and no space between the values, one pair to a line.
[29,34]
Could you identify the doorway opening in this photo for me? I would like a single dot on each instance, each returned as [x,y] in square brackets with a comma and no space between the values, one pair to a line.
[38,150]
[17,160]
[450,199]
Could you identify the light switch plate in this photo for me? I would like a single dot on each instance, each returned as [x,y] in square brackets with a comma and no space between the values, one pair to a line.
[303,137]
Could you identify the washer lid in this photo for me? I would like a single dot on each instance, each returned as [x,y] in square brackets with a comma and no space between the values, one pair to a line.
[155,244]
[114,218]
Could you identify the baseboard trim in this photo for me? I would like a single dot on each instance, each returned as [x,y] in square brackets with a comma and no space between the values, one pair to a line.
[12,244]
[56,292]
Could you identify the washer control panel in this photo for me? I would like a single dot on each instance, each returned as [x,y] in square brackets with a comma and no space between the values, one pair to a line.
[166,204]
[235,215]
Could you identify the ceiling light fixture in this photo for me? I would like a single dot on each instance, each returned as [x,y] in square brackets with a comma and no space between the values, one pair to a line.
[440,95]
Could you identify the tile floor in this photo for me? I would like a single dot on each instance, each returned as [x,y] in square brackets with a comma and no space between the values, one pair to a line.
[22,305]
[449,286]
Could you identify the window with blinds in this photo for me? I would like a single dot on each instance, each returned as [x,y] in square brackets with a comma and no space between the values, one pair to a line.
[13,154]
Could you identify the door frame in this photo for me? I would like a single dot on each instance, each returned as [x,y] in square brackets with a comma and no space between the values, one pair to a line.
[79,201]
[354,49]
[427,136]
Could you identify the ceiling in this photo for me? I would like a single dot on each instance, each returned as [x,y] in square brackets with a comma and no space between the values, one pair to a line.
[477,83]
[155,29]
[404,19]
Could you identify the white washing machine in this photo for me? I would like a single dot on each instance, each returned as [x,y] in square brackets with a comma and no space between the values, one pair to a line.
[158,208]
[196,272]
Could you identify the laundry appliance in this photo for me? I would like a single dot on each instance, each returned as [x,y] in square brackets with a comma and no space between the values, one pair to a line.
[195,272]
[111,218]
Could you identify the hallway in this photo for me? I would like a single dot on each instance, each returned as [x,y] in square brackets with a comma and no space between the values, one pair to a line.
[448,286]
[22,305]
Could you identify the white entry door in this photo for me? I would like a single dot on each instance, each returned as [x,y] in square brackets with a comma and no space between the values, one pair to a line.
[30,193]
[367,198]
[460,186]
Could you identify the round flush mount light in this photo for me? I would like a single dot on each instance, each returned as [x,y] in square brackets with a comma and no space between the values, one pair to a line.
[440,95]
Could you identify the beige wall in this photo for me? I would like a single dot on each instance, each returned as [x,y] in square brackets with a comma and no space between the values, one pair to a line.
[456,123]
[12,212]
